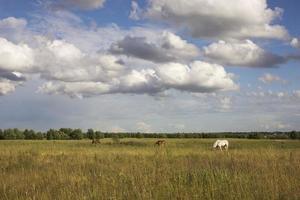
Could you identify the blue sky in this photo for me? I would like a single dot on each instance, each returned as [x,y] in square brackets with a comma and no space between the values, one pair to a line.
[159,65]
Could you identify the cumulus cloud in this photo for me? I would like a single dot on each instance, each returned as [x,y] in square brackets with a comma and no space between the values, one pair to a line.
[15,57]
[143,127]
[135,11]
[12,76]
[71,71]
[167,47]
[77,66]
[270,95]
[7,86]
[241,53]
[295,43]
[197,77]
[134,83]
[75,89]
[16,30]
[13,23]
[269,78]
[89,37]
[225,104]
[220,19]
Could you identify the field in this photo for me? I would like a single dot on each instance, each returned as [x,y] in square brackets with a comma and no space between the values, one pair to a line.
[136,169]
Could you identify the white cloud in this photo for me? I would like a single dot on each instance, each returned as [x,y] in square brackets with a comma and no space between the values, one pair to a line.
[276,126]
[88,38]
[296,93]
[295,43]
[287,97]
[15,30]
[220,19]
[6,87]
[13,23]
[197,77]
[269,78]
[72,71]
[166,47]
[75,89]
[143,127]
[15,57]
[139,82]
[77,4]
[92,38]
[64,51]
[135,11]
[225,103]
[117,129]
[241,53]
[178,127]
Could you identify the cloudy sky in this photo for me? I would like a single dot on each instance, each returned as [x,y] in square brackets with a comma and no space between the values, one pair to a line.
[152,65]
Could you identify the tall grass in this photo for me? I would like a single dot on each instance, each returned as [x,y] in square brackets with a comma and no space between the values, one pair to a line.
[136,169]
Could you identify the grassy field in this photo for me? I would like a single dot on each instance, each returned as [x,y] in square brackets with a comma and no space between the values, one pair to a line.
[136,169]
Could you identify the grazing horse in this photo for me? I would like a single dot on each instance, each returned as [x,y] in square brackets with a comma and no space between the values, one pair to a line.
[219,144]
[95,141]
[160,142]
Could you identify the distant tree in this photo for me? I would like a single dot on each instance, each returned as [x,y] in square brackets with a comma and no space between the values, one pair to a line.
[255,136]
[9,134]
[99,135]
[19,134]
[294,135]
[29,134]
[50,134]
[1,135]
[139,135]
[162,135]
[56,135]
[39,136]
[67,131]
[91,134]
[76,134]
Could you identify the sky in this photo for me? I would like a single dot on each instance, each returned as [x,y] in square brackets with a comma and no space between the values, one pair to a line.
[150,65]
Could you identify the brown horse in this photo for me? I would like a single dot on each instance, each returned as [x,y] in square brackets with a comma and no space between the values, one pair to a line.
[95,141]
[160,142]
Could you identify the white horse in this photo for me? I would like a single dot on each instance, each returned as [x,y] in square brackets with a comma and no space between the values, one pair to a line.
[219,144]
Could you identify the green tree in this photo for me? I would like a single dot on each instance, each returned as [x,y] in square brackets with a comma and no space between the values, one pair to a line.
[1,135]
[9,134]
[67,131]
[91,134]
[99,135]
[76,134]
[29,134]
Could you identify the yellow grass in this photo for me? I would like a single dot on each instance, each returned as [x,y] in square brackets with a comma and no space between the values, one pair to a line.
[136,169]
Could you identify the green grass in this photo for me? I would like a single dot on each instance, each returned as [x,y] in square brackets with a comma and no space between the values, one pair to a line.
[136,169]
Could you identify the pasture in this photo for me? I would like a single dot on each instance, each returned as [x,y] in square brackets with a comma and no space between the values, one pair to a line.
[137,169]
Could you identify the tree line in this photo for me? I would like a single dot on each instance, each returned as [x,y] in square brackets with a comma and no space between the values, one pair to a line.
[78,134]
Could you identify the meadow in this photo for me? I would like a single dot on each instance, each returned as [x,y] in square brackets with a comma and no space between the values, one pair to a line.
[136,169]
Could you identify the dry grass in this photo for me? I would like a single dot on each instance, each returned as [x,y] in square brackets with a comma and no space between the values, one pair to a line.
[136,169]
